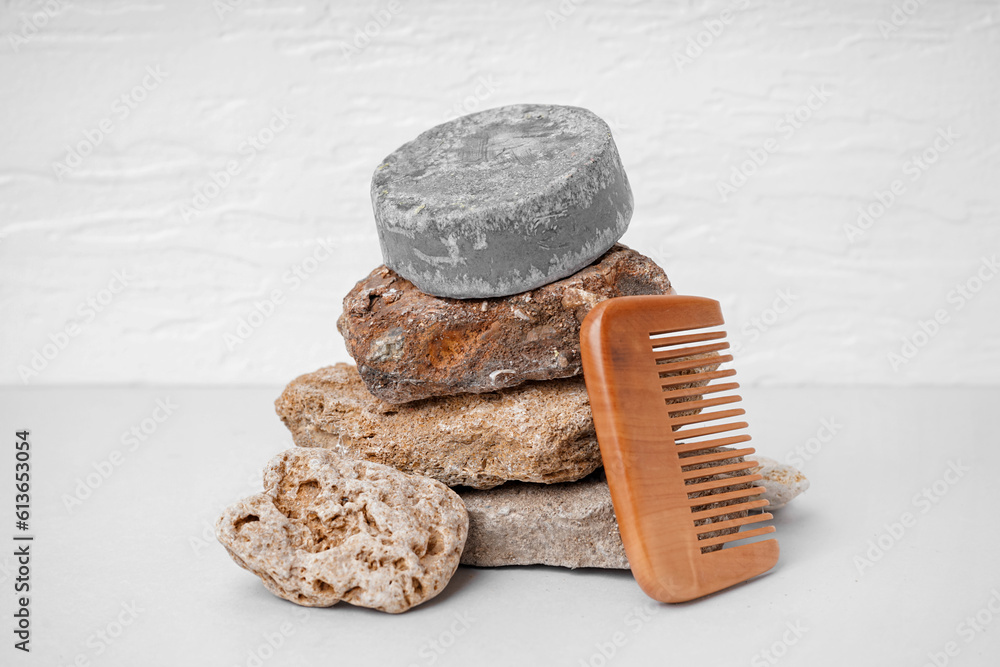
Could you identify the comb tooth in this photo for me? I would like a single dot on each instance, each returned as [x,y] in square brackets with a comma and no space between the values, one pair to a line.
[716,456]
[698,405]
[684,339]
[730,509]
[686,434]
[663,355]
[697,377]
[721,483]
[732,523]
[722,497]
[707,417]
[732,537]
[698,391]
[718,470]
[677,366]
[711,444]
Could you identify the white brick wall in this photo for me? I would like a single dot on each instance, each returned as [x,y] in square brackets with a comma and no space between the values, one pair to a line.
[683,123]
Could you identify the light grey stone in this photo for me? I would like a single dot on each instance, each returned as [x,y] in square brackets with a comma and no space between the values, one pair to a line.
[566,525]
[501,201]
[573,524]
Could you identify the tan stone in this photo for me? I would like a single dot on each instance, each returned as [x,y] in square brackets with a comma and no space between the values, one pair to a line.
[410,345]
[538,432]
[327,529]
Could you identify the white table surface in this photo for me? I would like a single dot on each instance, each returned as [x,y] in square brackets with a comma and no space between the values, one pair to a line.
[143,538]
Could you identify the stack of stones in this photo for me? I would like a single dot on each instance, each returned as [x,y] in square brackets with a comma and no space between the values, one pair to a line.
[499,234]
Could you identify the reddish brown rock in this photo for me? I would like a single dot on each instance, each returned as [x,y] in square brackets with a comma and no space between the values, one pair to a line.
[410,345]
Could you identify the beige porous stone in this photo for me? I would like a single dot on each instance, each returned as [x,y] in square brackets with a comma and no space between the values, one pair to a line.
[328,529]
[781,482]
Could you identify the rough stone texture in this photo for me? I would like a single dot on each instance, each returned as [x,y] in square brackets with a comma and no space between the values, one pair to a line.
[327,529]
[538,432]
[411,345]
[781,481]
[566,525]
[501,201]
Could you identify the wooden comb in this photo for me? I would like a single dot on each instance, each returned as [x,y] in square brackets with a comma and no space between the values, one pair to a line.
[674,489]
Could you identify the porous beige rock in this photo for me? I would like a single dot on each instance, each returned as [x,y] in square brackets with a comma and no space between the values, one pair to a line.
[538,432]
[410,345]
[569,525]
[781,482]
[327,529]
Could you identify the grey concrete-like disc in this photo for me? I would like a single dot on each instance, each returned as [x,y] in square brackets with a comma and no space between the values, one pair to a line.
[501,201]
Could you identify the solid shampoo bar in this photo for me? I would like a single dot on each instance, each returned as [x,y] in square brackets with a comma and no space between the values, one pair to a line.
[501,201]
